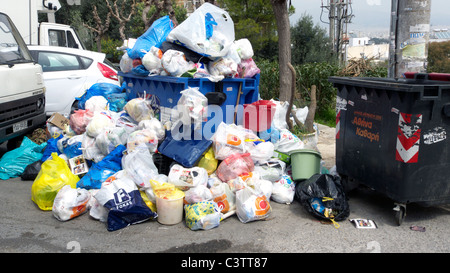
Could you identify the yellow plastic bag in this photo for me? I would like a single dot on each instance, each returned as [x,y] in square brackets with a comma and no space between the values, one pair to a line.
[208,161]
[147,201]
[166,190]
[54,175]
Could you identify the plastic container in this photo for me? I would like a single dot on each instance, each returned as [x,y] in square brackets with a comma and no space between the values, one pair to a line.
[263,110]
[391,135]
[305,163]
[165,92]
[170,211]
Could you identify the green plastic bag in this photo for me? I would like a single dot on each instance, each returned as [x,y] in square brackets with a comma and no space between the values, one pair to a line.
[14,162]
[54,174]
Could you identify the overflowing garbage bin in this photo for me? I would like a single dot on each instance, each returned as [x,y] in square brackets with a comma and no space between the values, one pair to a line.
[391,135]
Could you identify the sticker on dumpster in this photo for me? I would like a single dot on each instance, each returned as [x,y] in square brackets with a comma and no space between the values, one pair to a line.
[435,135]
[366,125]
[408,138]
[338,124]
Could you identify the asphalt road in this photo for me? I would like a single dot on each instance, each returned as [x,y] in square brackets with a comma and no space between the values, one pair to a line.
[24,228]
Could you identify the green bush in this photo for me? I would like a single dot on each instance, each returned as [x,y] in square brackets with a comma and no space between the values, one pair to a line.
[109,48]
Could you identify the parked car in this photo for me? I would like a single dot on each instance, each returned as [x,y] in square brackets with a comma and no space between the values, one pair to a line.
[68,73]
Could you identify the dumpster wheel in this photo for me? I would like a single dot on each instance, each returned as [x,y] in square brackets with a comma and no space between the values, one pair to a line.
[399,213]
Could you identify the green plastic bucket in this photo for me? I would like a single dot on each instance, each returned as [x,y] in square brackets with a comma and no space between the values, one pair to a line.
[305,163]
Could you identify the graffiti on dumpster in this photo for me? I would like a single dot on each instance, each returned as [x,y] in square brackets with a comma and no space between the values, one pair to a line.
[408,138]
[365,125]
[435,135]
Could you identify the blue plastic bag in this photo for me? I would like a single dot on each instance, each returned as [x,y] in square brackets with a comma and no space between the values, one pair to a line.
[117,101]
[154,36]
[98,89]
[186,152]
[52,147]
[14,162]
[100,171]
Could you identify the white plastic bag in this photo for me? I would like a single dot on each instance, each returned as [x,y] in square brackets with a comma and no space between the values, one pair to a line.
[209,31]
[192,106]
[174,63]
[223,67]
[144,136]
[227,140]
[90,149]
[288,142]
[138,164]
[186,178]
[223,196]
[197,194]
[126,63]
[262,152]
[271,170]
[109,137]
[244,48]
[99,121]
[139,109]
[70,203]
[283,190]
[152,60]
[154,125]
[97,210]
[252,205]
[96,103]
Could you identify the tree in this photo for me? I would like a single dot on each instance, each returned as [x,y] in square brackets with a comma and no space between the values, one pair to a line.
[100,27]
[310,42]
[439,57]
[120,15]
[160,5]
[280,11]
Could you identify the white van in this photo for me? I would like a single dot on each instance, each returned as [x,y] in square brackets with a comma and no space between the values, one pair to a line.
[22,91]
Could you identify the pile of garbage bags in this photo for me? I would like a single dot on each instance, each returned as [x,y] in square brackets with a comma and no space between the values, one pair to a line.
[202,46]
[115,161]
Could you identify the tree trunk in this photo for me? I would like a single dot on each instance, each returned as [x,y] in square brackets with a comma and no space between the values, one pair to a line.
[280,11]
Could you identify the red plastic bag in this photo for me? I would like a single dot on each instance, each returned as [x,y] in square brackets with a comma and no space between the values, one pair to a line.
[234,165]
[79,120]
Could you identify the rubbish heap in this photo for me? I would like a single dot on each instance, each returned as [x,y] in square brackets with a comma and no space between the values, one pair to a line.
[116,161]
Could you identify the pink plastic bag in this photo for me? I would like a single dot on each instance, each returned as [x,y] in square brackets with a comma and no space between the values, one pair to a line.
[234,165]
[247,68]
[79,120]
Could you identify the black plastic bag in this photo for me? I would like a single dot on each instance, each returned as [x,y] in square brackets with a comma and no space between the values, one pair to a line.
[31,171]
[323,196]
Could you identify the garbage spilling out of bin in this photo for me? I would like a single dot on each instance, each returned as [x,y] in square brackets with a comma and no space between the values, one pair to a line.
[117,160]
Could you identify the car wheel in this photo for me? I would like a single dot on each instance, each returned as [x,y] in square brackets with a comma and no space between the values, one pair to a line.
[74,107]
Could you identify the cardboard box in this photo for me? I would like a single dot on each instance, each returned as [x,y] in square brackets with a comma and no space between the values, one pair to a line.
[58,120]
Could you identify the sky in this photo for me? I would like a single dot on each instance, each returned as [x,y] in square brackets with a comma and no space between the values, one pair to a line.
[370,15]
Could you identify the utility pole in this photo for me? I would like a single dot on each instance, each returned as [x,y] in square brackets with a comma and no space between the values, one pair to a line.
[409,36]
[339,15]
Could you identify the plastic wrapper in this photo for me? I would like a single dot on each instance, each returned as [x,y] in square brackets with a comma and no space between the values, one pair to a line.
[79,120]
[70,203]
[138,163]
[186,178]
[234,165]
[283,190]
[209,31]
[125,121]
[202,215]
[122,198]
[139,109]
[252,205]
[54,175]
